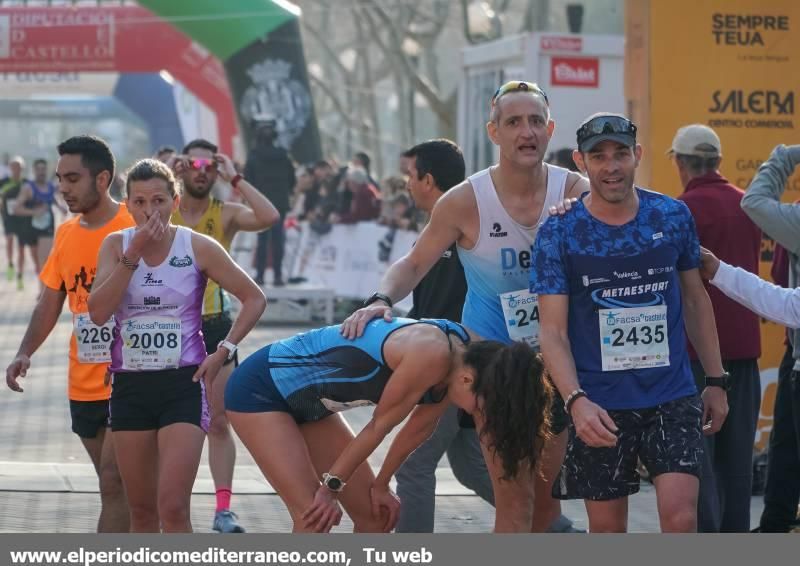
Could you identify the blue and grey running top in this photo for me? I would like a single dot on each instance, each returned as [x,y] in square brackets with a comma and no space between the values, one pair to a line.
[625,313]
[317,373]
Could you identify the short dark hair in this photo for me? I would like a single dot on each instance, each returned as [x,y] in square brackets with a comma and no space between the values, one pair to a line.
[40,161]
[200,143]
[166,149]
[698,165]
[364,159]
[321,164]
[95,153]
[146,169]
[441,158]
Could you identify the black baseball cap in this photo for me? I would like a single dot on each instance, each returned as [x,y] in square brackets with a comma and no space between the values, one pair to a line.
[605,126]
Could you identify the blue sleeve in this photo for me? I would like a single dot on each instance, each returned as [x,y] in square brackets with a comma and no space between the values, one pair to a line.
[689,257]
[548,275]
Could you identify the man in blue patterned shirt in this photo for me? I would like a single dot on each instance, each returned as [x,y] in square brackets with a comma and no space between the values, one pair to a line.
[617,280]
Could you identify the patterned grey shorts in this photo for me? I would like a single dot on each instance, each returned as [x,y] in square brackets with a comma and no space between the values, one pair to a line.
[666,438]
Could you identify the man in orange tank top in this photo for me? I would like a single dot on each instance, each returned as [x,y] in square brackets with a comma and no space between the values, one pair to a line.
[85,171]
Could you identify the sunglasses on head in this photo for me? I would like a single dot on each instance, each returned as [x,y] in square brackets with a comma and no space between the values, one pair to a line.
[606,125]
[203,164]
[518,86]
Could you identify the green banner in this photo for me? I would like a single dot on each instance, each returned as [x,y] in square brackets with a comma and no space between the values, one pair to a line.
[223,27]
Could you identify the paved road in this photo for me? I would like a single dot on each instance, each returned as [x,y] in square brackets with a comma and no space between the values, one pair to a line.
[47,484]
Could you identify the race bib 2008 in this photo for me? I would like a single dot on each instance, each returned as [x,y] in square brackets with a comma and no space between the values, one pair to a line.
[151,343]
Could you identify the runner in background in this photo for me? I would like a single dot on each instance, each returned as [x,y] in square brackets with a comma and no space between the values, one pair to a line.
[16,227]
[85,170]
[38,197]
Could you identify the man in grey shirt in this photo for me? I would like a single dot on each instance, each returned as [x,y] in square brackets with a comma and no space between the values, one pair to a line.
[762,203]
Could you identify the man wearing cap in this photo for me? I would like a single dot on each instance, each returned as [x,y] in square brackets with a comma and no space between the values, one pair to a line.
[493,217]
[618,281]
[723,228]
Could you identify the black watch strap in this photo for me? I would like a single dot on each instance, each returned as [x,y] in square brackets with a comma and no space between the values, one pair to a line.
[722,381]
[379,297]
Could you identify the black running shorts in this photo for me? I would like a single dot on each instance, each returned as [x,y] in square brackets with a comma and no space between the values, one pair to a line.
[155,399]
[667,438]
[88,417]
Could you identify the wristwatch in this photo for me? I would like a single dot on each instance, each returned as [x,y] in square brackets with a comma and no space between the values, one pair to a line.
[723,381]
[332,482]
[230,346]
[378,297]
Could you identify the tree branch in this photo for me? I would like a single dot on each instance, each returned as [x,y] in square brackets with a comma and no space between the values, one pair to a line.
[349,120]
[332,55]
[418,82]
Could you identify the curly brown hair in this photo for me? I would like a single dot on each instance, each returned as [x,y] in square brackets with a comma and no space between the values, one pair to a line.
[516,397]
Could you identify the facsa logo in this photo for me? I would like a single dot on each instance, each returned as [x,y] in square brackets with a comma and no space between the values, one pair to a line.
[574,44]
[572,71]
[497,231]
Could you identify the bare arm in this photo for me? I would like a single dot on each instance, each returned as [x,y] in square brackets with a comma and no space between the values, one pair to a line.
[418,428]
[111,280]
[258,214]
[22,209]
[406,273]
[218,266]
[592,423]
[429,358]
[576,185]
[555,345]
[698,317]
[43,320]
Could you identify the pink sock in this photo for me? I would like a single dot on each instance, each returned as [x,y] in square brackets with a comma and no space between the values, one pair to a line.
[224,499]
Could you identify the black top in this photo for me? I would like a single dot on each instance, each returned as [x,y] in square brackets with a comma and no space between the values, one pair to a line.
[270,170]
[441,292]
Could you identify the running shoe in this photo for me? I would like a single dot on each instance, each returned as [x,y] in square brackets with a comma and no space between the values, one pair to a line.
[20,284]
[563,525]
[10,273]
[227,522]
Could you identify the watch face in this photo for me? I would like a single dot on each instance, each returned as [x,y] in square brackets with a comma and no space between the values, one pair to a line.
[334,484]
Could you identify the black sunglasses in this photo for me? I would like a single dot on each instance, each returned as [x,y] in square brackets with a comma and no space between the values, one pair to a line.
[606,125]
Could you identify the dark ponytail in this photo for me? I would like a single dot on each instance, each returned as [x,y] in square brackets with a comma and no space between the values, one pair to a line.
[516,399]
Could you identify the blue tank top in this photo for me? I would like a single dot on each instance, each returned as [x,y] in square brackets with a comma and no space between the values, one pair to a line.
[321,372]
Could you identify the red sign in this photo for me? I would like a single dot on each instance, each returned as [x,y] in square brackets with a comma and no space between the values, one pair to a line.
[125,39]
[561,43]
[574,71]
[35,39]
